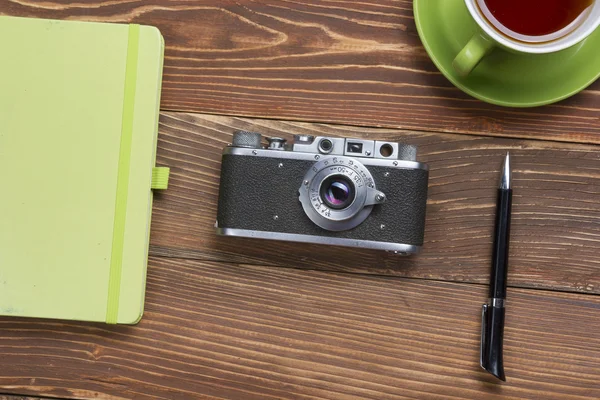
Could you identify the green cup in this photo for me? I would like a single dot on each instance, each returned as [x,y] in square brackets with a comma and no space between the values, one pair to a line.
[493,34]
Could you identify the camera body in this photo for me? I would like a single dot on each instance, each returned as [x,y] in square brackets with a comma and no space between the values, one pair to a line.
[325,190]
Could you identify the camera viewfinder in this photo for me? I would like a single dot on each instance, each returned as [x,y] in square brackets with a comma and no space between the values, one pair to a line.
[355,147]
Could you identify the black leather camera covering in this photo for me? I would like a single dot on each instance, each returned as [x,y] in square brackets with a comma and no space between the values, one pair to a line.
[255,189]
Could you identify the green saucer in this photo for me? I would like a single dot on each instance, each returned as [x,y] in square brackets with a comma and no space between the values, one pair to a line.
[503,78]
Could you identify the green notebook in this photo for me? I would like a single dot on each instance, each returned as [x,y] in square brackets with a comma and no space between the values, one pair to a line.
[79,105]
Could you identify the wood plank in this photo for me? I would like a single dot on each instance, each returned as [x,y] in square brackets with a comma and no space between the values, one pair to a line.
[216,330]
[356,63]
[555,236]
[11,397]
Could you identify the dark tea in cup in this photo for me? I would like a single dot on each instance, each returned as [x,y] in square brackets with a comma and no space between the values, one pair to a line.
[535,20]
[526,27]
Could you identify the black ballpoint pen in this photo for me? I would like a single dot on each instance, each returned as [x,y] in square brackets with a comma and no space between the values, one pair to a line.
[492,313]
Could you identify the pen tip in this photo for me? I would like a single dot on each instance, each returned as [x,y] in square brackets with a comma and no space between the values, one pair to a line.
[505,178]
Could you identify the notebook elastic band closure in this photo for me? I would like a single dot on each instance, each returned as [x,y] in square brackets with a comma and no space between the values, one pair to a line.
[160,178]
[116,259]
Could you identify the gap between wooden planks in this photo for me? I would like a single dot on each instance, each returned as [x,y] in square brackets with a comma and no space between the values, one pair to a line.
[358,63]
[555,238]
[224,330]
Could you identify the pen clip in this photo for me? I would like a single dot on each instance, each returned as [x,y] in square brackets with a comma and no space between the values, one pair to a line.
[484,311]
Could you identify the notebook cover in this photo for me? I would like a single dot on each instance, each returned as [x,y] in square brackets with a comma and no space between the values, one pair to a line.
[79,106]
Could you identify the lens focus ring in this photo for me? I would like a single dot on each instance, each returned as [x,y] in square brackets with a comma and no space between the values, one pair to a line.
[335,191]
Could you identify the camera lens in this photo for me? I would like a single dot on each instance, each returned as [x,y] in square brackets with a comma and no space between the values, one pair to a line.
[337,192]
[325,146]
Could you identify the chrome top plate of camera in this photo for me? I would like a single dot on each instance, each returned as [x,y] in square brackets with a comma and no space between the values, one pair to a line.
[293,155]
[354,148]
[371,152]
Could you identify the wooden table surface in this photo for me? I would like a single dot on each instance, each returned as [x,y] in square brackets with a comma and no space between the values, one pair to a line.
[244,319]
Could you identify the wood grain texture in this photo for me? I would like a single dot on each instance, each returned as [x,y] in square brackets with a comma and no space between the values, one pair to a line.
[213,330]
[354,63]
[11,397]
[224,321]
[555,236]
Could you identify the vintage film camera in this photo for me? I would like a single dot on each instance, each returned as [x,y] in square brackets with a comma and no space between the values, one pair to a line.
[326,190]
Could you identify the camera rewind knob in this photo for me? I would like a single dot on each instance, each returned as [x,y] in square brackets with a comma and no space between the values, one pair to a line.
[251,140]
